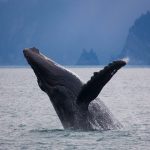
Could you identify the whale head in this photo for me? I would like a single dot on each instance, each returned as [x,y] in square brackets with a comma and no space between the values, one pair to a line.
[61,85]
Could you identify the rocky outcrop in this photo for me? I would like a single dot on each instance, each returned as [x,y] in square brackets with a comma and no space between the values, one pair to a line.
[88,58]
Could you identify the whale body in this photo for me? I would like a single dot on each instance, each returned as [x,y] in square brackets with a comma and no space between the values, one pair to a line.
[75,102]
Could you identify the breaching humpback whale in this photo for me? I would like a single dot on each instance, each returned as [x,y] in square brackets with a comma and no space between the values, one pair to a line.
[75,102]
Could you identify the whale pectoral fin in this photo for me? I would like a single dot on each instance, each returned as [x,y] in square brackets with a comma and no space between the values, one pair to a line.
[93,87]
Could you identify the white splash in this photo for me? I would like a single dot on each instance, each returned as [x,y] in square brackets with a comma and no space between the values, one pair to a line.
[126,59]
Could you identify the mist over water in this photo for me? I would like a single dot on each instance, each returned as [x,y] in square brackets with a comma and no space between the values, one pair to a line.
[28,120]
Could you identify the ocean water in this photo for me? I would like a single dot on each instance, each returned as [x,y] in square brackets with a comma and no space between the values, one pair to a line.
[28,120]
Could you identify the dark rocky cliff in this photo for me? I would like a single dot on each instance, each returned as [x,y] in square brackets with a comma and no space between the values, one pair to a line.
[137,46]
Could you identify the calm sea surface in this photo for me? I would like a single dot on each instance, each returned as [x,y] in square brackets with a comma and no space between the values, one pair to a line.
[28,120]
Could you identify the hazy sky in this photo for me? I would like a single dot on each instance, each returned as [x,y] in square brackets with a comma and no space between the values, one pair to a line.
[71,25]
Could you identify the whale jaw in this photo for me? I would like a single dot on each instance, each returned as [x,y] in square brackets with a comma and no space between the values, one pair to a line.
[40,66]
